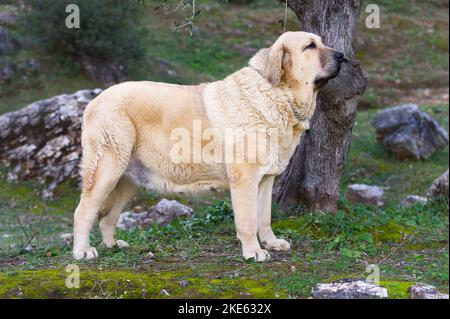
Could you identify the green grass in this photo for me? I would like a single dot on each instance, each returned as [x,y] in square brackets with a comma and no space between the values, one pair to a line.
[409,245]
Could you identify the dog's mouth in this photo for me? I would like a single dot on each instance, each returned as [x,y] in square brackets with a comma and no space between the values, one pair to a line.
[322,81]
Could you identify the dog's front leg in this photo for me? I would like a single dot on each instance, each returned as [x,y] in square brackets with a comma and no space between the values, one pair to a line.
[265,233]
[244,195]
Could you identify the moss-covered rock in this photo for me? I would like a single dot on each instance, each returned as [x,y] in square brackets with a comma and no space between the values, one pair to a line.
[51,283]
[397,289]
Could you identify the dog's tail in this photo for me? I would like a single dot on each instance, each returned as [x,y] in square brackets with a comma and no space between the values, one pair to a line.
[113,134]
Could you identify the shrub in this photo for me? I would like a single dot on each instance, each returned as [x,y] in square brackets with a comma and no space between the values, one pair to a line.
[109,29]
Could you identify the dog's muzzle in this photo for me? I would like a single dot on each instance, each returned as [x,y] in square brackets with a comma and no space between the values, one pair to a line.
[338,57]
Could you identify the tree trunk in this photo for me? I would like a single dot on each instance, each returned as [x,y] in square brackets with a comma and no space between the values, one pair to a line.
[314,173]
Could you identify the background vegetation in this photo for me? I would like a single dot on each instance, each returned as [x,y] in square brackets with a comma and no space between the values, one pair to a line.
[112,29]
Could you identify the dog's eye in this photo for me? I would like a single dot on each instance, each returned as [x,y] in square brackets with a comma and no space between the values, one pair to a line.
[312,45]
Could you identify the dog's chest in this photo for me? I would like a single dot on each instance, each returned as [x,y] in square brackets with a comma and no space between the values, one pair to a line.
[288,141]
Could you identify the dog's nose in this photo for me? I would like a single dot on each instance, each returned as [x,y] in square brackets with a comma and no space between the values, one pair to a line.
[339,56]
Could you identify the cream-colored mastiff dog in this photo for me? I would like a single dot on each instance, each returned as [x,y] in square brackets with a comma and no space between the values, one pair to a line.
[144,134]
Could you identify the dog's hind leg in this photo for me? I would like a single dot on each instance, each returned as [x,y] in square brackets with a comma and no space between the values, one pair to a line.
[108,173]
[114,205]
[105,159]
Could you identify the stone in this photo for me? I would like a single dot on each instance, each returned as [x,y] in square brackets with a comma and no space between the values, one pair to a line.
[357,289]
[131,221]
[166,211]
[164,292]
[440,188]
[8,19]
[365,194]
[67,239]
[107,72]
[8,71]
[8,43]
[409,133]
[162,214]
[424,291]
[43,140]
[410,200]
[30,66]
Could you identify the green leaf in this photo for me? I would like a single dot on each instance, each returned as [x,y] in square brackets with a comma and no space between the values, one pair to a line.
[367,237]
[350,253]
[334,242]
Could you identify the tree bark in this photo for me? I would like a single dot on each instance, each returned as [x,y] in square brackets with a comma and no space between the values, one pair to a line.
[313,176]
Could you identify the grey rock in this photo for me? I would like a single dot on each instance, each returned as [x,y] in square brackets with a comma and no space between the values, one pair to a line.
[166,211]
[365,194]
[8,19]
[440,188]
[423,291]
[131,221]
[8,43]
[409,133]
[22,152]
[108,72]
[67,239]
[162,214]
[43,139]
[410,200]
[30,66]
[349,290]
[8,71]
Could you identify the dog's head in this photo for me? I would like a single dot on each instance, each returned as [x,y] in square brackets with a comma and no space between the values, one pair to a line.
[300,59]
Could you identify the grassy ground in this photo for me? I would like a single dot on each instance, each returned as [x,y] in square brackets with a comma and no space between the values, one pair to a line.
[406,61]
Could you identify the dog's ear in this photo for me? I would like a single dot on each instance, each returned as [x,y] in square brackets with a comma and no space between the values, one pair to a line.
[274,67]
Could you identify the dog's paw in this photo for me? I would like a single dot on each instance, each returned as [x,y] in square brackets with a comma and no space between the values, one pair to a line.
[277,245]
[259,255]
[87,254]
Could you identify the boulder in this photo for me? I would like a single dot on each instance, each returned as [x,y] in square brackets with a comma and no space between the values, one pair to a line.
[30,66]
[409,133]
[8,70]
[423,291]
[365,194]
[162,214]
[167,210]
[357,289]
[131,221]
[8,19]
[67,239]
[108,72]
[42,140]
[439,188]
[8,43]
[410,200]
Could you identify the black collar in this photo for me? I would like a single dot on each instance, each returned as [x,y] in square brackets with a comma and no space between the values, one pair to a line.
[257,70]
